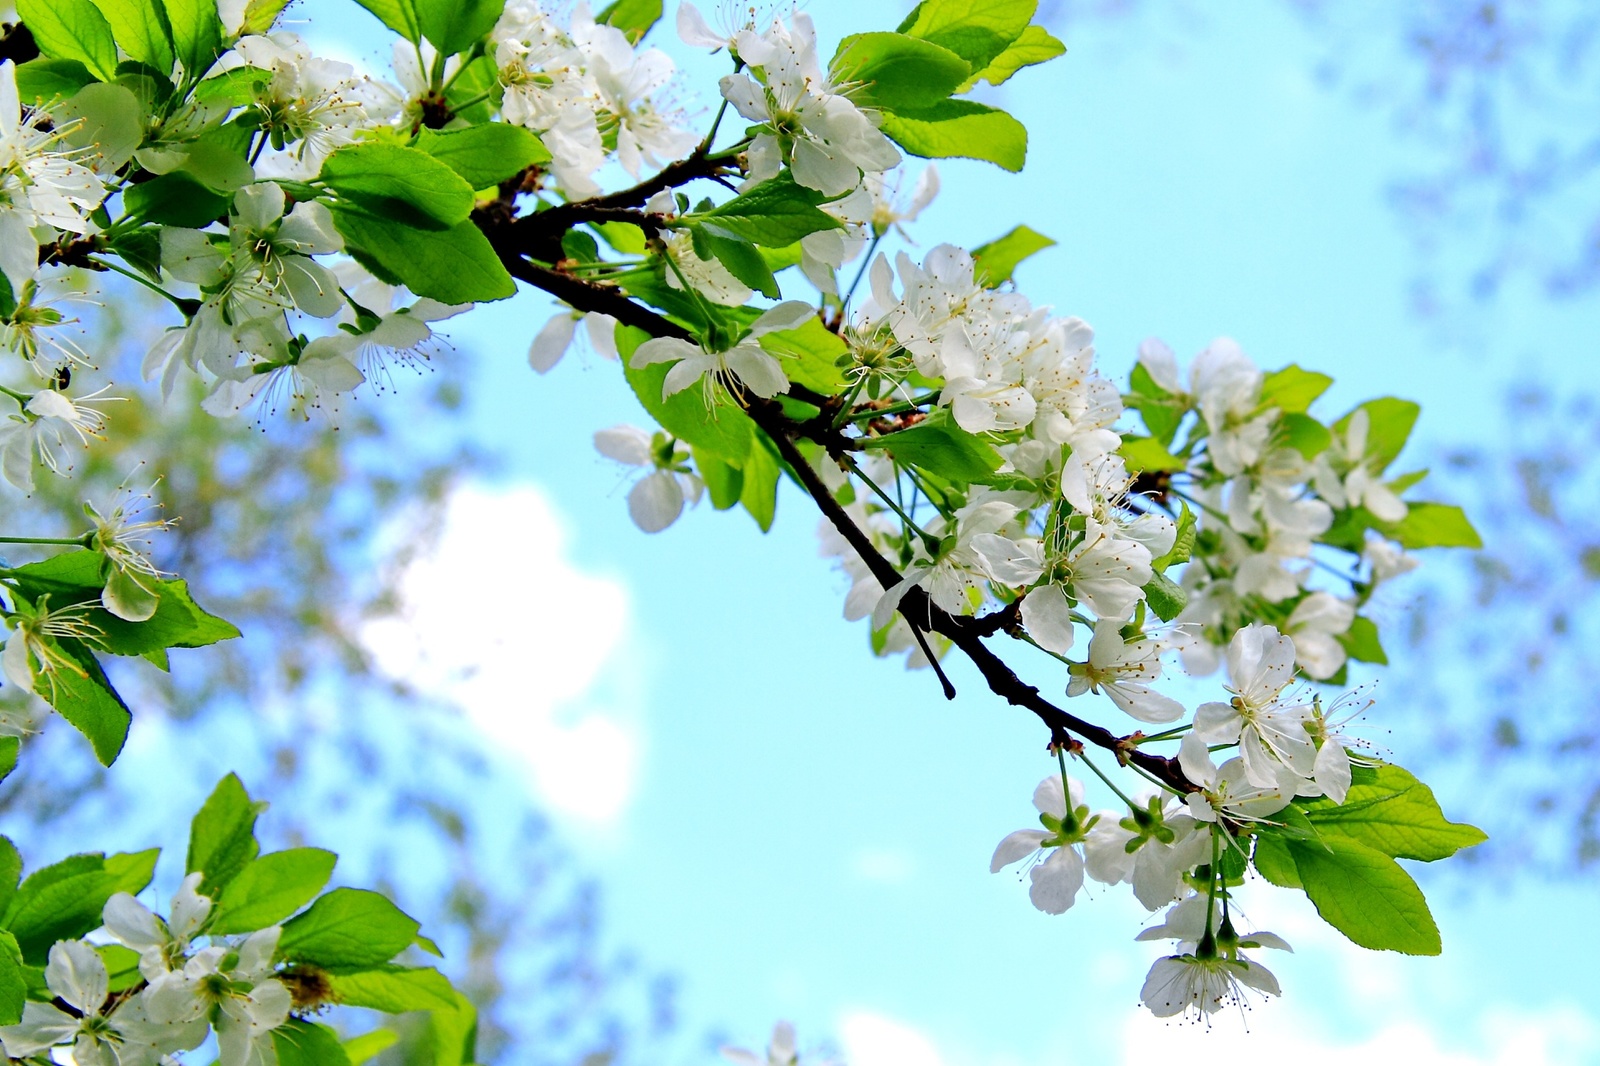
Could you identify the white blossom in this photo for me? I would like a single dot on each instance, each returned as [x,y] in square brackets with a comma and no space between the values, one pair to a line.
[1054,881]
[656,499]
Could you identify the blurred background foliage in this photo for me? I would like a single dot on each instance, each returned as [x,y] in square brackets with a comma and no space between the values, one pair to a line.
[297,531]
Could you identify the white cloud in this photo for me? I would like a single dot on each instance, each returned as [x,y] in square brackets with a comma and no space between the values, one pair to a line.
[872,1039]
[498,620]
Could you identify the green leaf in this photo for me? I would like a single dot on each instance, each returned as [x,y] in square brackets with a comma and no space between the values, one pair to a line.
[485,155]
[259,15]
[105,121]
[179,622]
[1292,390]
[85,698]
[368,1045]
[633,17]
[960,128]
[1389,424]
[1361,642]
[810,355]
[936,443]
[196,33]
[399,15]
[623,237]
[64,901]
[13,984]
[739,256]
[140,27]
[122,966]
[476,92]
[1034,46]
[217,164]
[10,747]
[998,260]
[1365,895]
[1165,597]
[349,928]
[1273,861]
[222,837]
[379,176]
[302,1043]
[271,888]
[1392,812]
[456,25]
[724,481]
[236,87]
[978,33]
[72,29]
[775,213]
[723,430]
[1182,542]
[453,1034]
[1434,525]
[395,989]
[1147,453]
[454,266]
[10,872]
[41,81]
[1304,434]
[760,490]
[896,72]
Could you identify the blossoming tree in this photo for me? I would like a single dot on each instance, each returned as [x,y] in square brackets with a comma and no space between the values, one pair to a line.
[980,481]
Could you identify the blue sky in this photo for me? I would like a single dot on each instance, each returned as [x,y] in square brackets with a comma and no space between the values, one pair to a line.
[801,831]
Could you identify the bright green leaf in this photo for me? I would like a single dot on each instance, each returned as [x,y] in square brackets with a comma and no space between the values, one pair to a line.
[82,694]
[122,966]
[633,17]
[759,493]
[1365,895]
[1165,597]
[10,872]
[1273,861]
[369,1045]
[259,15]
[399,15]
[179,622]
[10,748]
[271,888]
[936,443]
[1147,453]
[739,256]
[724,430]
[724,481]
[72,29]
[196,33]
[105,121]
[810,356]
[394,989]
[1034,46]
[301,1043]
[775,213]
[42,81]
[896,72]
[1392,812]
[960,128]
[1304,434]
[64,901]
[1361,642]
[1434,525]
[978,33]
[455,25]
[1292,390]
[999,259]
[222,839]
[13,985]
[454,266]
[1389,424]
[350,929]
[1182,542]
[453,1034]
[485,155]
[378,176]
[140,27]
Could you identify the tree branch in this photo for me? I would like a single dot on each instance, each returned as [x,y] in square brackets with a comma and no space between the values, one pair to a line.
[967,634]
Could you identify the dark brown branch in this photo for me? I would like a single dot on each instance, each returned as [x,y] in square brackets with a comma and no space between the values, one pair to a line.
[700,164]
[967,634]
